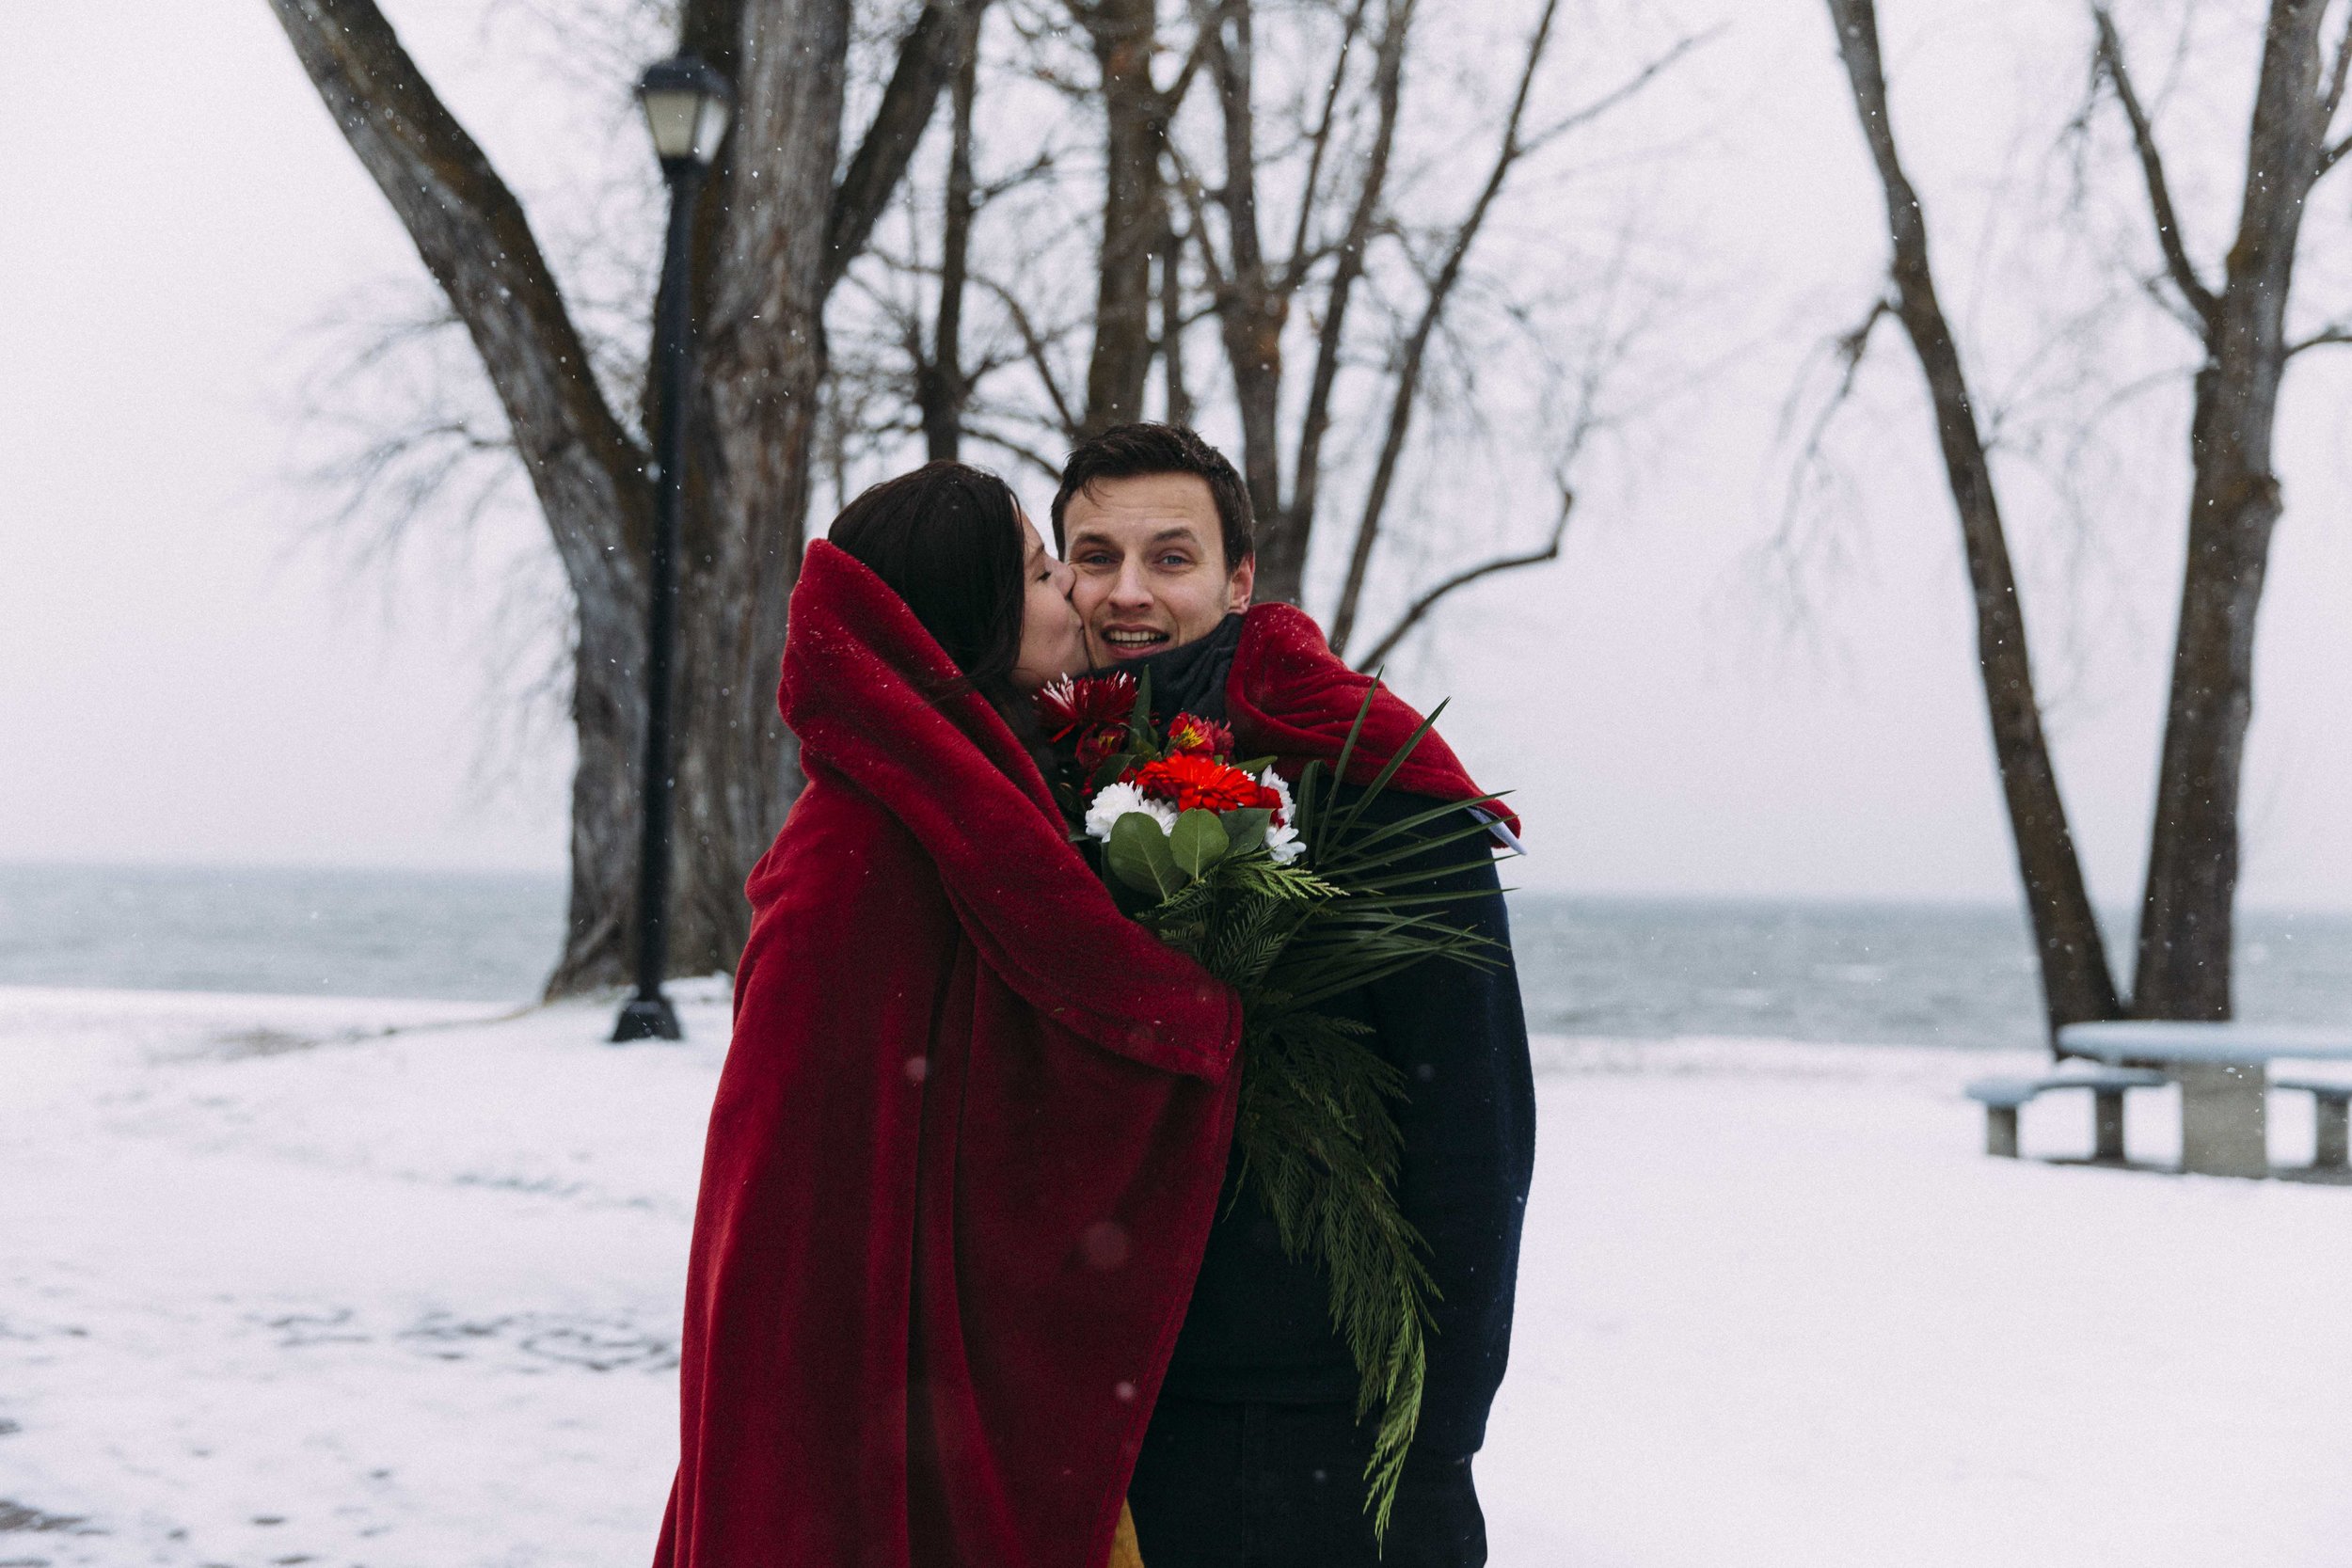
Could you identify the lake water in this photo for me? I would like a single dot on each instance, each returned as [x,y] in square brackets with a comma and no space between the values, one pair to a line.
[1630,968]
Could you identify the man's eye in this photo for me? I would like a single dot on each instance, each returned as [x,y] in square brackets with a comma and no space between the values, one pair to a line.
[1175,560]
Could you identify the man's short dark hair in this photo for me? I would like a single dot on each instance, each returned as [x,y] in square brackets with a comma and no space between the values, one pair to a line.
[1134,450]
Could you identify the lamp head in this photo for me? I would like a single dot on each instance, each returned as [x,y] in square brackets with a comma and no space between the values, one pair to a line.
[687,109]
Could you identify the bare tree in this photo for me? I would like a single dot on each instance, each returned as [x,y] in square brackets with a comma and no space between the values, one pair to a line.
[778,228]
[1348,214]
[2184,968]
[1278,207]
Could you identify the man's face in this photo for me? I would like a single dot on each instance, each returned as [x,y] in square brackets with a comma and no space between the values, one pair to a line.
[1150,558]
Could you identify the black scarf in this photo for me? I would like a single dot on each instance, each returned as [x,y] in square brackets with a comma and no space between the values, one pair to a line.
[1191,678]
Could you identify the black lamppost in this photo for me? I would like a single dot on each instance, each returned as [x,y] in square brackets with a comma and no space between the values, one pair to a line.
[687,107]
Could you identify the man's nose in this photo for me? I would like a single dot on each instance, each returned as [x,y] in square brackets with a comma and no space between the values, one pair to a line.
[1129,589]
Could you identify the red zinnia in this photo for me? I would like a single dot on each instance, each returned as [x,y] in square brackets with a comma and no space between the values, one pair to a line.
[1189,734]
[1189,781]
[1076,702]
[1102,743]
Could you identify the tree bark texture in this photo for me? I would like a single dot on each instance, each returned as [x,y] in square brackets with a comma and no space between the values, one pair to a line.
[941,390]
[1251,309]
[2077,983]
[762,362]
[1124,35]
[2187,910]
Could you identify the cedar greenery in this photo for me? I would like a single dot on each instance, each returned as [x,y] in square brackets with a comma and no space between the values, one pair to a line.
[1315,1131]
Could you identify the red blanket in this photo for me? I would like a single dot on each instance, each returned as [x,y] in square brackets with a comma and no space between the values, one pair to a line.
[1291,696]
[964,1153]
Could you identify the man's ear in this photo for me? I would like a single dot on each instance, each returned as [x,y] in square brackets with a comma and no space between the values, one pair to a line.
[1239,586]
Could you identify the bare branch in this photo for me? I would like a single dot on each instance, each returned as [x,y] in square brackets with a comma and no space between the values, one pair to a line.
[2339,74]
[929,59]
[2182,270]
[2325,337]
[1034,344]
[473,237]
[1623,92]
[1416,612]
[1296,528]
[1319,143]
[1849,349]
[1416,348]
[988,435]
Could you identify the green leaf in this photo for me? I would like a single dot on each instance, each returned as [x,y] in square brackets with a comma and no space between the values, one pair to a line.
[1198,842]
[1245,826]
[1138,855]
[1140,719]
[1380,780]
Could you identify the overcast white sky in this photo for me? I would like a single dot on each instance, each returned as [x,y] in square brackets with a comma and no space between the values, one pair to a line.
[180,680]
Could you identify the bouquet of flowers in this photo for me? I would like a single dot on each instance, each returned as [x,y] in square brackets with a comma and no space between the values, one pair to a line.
[1292,898]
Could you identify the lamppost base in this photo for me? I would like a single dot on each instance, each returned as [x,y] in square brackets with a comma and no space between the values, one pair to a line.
[647,1018]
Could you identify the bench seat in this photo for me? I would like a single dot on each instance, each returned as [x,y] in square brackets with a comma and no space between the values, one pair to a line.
[2002,1097]
[2331,1108]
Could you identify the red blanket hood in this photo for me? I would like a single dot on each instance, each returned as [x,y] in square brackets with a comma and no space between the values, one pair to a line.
[1291,696]
[964,1153]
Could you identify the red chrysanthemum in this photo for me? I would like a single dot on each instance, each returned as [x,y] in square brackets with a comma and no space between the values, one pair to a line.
[1079,702]
[1193,781]
[1190,735]
[1102,743]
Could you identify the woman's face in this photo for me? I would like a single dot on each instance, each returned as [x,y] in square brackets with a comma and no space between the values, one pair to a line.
[1053,639]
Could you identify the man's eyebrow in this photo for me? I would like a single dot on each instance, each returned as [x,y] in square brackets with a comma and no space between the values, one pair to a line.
[1176,530]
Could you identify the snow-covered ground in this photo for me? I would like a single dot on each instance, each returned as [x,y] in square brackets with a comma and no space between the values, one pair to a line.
[296,1281]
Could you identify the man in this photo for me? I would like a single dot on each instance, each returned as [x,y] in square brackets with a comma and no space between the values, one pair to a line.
[1255,1457]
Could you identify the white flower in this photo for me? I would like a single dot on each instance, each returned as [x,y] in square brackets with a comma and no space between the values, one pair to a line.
[1282,787]
[1124,800]
[1282,833]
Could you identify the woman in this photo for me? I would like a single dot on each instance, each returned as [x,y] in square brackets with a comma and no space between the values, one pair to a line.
[968,1140]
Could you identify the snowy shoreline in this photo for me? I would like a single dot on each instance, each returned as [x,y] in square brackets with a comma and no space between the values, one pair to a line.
[280,1285]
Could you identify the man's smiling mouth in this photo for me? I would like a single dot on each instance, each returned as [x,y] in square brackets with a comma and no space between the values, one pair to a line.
[1129,642]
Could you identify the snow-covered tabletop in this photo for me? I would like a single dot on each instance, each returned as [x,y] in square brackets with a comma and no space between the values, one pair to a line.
[2230,1044]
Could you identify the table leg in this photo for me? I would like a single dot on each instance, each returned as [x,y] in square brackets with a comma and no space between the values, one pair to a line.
[2001,1131]
[2107,1125]
[2334,1141]
[2223,1120]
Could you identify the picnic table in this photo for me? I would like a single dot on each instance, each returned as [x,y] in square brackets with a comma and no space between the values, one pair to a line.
[2223,1070]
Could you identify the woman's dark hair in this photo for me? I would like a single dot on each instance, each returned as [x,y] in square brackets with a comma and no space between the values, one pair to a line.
[948,540]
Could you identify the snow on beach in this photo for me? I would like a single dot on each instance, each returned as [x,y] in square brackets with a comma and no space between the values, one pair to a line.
[394,1283]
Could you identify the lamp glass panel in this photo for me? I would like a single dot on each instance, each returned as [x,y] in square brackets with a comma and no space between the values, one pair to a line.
[711,128]
[671,115]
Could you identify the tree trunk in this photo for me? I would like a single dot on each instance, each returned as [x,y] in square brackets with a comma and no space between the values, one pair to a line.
[1124,35]
[609,727]
[762,362]
[940,389]
[1251,310]
[2187,910]
[2076,984]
